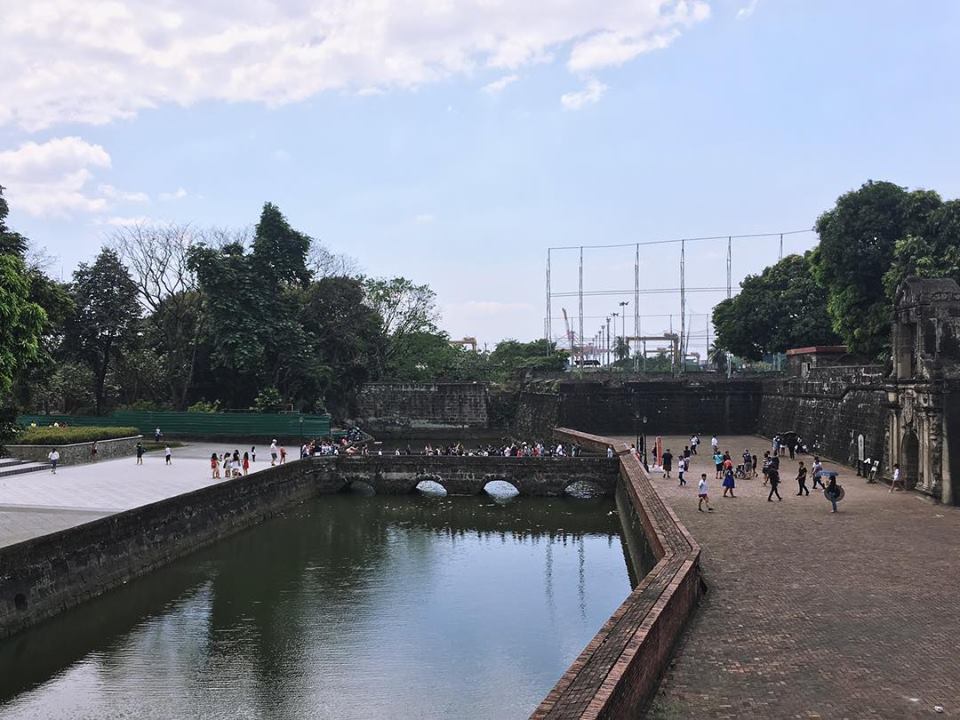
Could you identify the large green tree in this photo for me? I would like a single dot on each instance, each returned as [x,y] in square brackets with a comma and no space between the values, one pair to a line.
[405,310]
[782,307]
[858,237]
[933,251]
[21,319]
[106,317]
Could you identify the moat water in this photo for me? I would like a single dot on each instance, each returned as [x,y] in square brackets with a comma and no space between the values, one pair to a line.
[346,607]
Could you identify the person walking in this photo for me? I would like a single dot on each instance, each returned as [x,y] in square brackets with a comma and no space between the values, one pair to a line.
[802,479]
[714,444]
[833,492]
[283,455]
[818,473]
[667,463]
[897,479]
[717,463]
[273,452]
[167,455]
[139,453]
[246,463]
[214,466]
[693,444]
[682,465]
[702,494]
[774,477]
[54,457]
[728,483]
[253,453]
[156,435]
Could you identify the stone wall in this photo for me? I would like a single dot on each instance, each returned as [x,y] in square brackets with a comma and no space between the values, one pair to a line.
[670,406]
[418,409]
[76,453]
[830,409]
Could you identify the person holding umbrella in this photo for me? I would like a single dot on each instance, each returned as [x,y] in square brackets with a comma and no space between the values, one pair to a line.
[834,493]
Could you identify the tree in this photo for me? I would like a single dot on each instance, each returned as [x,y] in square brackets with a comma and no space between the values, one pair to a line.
[346,333]
[158,257]
[857,243]
[404,309]
[933,253]
[106,316]
[21,319]
[511,356]
[782,307]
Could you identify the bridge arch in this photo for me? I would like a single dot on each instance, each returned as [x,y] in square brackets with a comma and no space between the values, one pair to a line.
[499,487]
[431,486]
[583,489]
[357,486]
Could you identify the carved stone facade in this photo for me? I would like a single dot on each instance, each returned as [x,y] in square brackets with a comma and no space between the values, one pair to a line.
[923,391]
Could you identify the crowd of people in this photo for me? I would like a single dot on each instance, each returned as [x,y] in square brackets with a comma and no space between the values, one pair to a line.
[728,471]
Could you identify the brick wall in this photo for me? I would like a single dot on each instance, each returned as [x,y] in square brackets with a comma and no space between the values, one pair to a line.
[617,673]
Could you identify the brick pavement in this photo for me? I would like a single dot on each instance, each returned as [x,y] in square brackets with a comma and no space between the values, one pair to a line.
[40,503]
[814,615]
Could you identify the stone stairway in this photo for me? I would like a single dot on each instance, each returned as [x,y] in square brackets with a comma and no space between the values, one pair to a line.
[12,466]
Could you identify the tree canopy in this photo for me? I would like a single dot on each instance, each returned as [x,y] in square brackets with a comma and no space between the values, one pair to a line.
[858,239]
[782,307]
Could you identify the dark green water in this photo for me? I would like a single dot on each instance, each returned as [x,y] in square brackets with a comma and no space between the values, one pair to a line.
[347,607]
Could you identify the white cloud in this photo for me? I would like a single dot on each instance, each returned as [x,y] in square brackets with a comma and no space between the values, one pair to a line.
[424,219]
[747,10]
[102,60]
[497,86]
[57,178]
[178,194]
[589,95]
[54,177]
[111,193]
[125,221]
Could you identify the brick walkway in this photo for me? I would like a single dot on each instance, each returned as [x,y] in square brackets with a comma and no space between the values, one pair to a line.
[814,615]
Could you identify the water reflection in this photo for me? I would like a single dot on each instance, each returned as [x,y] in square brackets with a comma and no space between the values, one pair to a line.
[349,607]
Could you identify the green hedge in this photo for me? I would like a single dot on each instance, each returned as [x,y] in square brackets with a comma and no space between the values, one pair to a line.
[49,435]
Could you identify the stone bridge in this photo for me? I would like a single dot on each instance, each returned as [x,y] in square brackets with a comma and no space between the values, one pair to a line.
[469,475]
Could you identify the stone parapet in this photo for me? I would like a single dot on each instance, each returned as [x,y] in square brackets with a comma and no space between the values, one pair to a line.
[76,453]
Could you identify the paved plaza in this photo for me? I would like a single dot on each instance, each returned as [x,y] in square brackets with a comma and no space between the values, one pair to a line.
[39,503]
[814,615]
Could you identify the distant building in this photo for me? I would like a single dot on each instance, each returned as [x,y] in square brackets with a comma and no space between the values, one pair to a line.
[801,360]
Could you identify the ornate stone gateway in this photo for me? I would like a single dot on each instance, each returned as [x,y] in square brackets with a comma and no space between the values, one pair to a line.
[924,388]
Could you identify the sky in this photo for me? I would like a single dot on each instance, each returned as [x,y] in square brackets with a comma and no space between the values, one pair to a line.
[454,141]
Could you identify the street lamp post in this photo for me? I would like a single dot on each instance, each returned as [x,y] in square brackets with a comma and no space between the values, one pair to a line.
[608,337]
[645,443]
[623,327]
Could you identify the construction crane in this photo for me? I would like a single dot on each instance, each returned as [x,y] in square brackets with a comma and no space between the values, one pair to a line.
[578,362]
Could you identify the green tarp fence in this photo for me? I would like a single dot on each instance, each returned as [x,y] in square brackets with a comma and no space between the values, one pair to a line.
[190,424]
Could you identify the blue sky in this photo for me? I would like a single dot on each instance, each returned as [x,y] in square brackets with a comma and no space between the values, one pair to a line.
[453,141]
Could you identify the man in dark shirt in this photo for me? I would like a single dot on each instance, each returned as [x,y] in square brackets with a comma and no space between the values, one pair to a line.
[667,463]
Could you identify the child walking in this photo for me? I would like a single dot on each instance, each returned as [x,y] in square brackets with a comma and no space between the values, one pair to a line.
[702,493]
